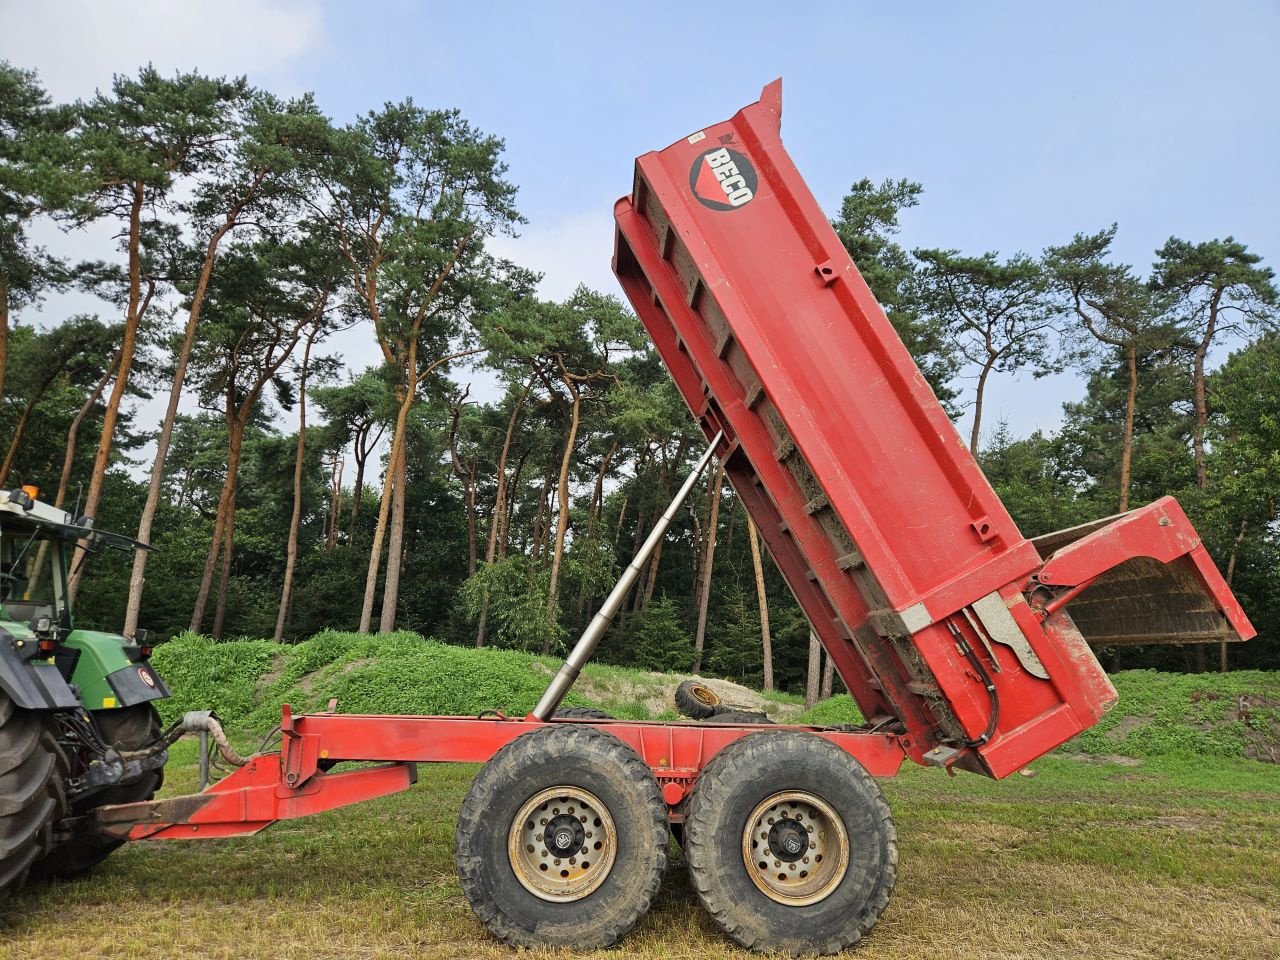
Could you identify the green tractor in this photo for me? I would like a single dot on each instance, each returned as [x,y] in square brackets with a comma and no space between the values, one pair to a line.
[78,725]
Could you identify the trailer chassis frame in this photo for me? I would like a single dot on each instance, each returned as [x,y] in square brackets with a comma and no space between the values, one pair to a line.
[291,784]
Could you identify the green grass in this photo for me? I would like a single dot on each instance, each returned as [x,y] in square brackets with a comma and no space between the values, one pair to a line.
[1149,837]
[1173,858]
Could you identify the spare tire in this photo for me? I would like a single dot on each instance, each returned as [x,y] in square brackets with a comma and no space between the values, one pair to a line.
[696,700]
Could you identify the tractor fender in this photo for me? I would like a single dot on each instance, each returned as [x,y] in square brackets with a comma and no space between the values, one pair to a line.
[108,672]
[30,683]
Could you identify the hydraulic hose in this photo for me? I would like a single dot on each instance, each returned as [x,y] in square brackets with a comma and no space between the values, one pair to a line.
[197,721]
[993,720]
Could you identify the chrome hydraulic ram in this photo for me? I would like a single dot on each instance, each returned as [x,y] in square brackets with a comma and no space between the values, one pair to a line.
[586,644]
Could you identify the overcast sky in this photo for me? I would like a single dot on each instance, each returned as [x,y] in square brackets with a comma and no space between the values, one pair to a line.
[1025,122]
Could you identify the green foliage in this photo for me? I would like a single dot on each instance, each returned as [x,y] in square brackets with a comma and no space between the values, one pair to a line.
[516,595]
[390,215]
[832,712]
[658,638]
[1034,482]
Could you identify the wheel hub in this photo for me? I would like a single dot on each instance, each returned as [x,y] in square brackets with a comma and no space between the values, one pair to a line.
[562,844]
[788,840]
[564,835]
[795,848]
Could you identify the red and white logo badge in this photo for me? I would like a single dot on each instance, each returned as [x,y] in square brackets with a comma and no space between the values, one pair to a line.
[723,179]
[145,674]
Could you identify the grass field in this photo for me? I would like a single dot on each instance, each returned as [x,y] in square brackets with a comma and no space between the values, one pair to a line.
[1150,836]
[1169,858]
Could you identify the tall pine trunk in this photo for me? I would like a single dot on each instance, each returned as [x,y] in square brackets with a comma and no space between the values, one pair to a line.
[499,507]
[562,502]
[224,581]
[708,562]
[766,641]
[73,433]
[361,454]
[335,504]
[295,518]
[1130,412]
[395,545]
[128,344]
[225,499]
[1199,402]
[813,675]
[15,443]
[975,435]
[137,577]
[384,511]
[68,461]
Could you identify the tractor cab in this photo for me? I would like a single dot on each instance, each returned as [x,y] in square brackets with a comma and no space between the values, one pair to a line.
[33,567]
[37,542]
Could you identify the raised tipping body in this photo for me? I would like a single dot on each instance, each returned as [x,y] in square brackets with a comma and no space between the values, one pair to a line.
[910,569]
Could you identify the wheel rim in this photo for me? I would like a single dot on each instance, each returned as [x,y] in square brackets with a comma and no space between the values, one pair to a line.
[796,848]
[704,696]
[562,844]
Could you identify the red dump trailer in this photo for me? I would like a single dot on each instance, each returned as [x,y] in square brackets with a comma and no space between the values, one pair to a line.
[965,644]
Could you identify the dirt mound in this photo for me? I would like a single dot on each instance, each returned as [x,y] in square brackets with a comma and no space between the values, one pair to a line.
[655,693]
[1259,719]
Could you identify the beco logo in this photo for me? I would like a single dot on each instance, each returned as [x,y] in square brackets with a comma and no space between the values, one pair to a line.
[723,179]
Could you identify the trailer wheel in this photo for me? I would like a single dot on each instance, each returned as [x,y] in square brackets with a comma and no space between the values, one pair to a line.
[562,839]
[581,713]
[31,798]
[127,728]
[696,700]
[790,844]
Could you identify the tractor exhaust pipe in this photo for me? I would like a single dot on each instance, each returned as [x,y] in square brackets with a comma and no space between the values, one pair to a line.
[586,645]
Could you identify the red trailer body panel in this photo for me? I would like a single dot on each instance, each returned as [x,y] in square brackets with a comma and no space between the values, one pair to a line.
[912,572]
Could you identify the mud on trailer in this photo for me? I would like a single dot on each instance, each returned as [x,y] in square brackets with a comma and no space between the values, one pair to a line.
[964,644]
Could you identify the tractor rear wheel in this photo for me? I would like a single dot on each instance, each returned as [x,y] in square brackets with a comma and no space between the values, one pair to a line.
[790,844]
[31,798]
[126,728]
[562,839]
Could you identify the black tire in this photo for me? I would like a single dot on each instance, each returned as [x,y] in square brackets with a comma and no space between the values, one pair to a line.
[31,799]
[496,867]
[731,799]
[696,700]
[581,713]
[126,728]
[739,716]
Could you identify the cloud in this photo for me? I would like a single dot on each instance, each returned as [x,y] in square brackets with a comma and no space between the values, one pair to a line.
[567,251]
[77,46]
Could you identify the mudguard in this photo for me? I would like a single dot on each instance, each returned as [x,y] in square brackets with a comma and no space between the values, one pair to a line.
[107,673]
[31,684]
